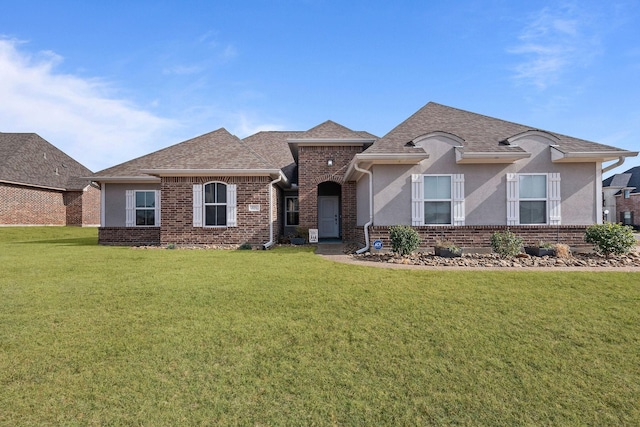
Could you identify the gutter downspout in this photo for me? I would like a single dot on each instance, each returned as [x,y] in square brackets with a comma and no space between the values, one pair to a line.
[615,165]
[368,224]
[271,242]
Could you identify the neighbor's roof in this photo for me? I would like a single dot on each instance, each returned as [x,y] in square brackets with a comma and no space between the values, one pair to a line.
[480,133]
[627,179]
[215,150]
[28,159]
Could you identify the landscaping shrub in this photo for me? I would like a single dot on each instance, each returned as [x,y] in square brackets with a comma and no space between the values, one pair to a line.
[611,238]
[404,239]
[506,243]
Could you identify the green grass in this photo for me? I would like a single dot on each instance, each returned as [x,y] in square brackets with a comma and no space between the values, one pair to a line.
[93,335]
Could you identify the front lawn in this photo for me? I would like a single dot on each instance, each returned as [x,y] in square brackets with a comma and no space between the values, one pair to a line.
[93,335]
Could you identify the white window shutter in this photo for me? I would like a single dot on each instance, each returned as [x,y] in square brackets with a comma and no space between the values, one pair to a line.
[197,205]
[231,206]
[157,204]
[553,190]
[130,208]
[417,199]
[513,208]
[458,199]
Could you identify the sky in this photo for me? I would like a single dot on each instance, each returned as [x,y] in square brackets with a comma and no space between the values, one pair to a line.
[108,81]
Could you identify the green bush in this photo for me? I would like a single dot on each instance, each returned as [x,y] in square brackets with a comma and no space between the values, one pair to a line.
[611,238]
[506,244]
[404,239]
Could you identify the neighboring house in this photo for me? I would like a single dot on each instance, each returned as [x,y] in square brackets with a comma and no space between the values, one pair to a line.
[448,173]
[41,185]
[622,197]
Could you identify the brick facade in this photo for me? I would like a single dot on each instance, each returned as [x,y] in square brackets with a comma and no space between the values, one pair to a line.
[313,170]
[480,236]
[23,205]
[632,204]
[129,236]
[177,212]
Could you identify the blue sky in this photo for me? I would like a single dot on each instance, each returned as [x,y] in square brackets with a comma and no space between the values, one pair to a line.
[110,81]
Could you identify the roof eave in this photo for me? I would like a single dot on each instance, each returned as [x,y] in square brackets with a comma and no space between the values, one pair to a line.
[106,179]
[24,184]
[558,156]
[366,160]
[479,157]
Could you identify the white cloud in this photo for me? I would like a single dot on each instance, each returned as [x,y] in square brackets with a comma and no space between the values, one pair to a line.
[78,115]
[554,41]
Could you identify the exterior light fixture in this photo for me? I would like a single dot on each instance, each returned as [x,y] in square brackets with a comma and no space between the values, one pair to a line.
[330,162]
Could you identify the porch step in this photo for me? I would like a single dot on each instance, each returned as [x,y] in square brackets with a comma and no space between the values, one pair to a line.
[330,248]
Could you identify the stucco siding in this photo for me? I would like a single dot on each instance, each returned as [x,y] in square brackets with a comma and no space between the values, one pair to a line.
[485,185]
[115,202]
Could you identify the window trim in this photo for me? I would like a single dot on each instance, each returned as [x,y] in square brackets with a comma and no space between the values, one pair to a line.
[553,199]
[457,200]
[131,208]
[287,211]
[199,206]
[205,204]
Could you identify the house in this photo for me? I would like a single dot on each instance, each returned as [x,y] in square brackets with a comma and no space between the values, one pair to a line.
[622,197]
[41,185]
[448,173]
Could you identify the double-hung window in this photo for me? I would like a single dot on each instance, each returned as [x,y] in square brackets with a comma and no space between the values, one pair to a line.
[533,199]
[437,199]
[214,205]
[142,208]
[292,213]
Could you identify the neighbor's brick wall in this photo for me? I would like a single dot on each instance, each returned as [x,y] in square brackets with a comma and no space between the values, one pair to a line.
[632,204]
[177,212]
[313,170]
[31,206]
[91,206]
[480,236]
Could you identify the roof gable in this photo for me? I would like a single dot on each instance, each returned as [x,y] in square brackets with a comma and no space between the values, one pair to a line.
[480,133]
[27,158]
[333,130]
[214,150]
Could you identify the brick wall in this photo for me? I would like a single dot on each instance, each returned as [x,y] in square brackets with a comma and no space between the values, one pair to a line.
[177,212]
[632,204]
[91,206]
[31,206]
[313,170]
[129,236]
[480,236]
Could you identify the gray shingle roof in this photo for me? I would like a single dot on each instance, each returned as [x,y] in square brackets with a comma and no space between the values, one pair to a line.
[480,133]
[27,158]
[629,178]
[273,146]
[215,150]
[333,130]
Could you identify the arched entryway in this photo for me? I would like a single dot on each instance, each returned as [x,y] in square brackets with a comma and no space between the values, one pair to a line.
[329,210]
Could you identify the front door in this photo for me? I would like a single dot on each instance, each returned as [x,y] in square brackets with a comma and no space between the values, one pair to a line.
[328,216]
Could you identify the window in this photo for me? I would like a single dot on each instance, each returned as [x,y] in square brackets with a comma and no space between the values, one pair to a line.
[627,194]
[627,218]
[145,207]
[437,199]
[142,208]
[292,216]
[533,199]
[214,205]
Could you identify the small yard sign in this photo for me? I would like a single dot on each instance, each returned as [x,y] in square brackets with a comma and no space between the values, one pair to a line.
[313,235]
[377,244]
